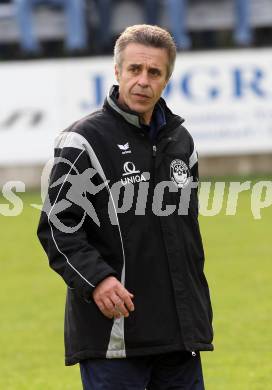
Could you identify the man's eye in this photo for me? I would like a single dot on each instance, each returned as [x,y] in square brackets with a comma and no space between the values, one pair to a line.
[134,70]
[154,72]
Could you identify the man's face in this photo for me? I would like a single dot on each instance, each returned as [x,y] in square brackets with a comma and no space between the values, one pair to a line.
[142,78]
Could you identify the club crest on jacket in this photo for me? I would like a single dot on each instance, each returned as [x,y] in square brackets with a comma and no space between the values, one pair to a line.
[179,173]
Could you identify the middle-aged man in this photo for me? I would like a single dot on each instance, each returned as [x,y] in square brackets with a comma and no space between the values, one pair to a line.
[120,225]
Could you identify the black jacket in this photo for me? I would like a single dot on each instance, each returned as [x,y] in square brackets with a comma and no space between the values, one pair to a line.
[107,213]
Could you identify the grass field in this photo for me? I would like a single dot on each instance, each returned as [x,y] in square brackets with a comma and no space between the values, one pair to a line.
[238,267]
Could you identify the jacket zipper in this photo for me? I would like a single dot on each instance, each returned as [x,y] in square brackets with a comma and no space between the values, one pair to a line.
[154,152]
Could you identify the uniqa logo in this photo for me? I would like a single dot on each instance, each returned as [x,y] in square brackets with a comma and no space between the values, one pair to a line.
[130,169]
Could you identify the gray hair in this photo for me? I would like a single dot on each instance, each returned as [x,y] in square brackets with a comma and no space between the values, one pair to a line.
[147,35]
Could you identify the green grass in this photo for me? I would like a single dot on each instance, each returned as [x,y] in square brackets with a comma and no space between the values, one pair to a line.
[32,307]
[238,267]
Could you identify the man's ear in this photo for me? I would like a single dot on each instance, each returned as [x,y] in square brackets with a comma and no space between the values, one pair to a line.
[116,72]
[166,82]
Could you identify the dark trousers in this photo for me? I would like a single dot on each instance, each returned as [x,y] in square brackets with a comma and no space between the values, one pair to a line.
[170,371]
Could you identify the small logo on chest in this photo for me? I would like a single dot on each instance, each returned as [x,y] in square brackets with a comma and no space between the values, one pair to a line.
[179,173]
[124,148]
[131,174]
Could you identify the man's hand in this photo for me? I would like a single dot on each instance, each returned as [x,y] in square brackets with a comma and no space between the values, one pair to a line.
[112,298]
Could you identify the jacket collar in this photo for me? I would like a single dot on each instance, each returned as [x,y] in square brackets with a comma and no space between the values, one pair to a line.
[130,116]
[170,120]
[133,117]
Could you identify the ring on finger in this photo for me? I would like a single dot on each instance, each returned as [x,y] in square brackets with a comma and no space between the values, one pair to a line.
[117,309]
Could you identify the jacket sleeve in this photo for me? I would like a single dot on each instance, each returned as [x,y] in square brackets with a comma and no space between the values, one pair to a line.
[67,210]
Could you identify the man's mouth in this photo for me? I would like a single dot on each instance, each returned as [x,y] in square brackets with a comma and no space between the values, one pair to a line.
[141,96]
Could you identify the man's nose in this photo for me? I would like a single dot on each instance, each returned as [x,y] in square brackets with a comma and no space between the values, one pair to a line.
[143,79]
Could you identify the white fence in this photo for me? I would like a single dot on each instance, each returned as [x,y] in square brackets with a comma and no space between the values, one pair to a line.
[225,97]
